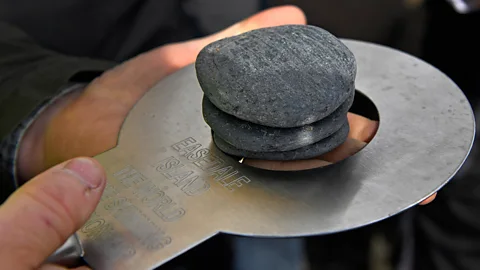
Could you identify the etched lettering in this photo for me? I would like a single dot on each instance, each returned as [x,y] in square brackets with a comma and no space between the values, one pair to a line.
[132,219]
[117,204]
[169,213]
[209,163]
[223,173]
[142,228]
[151,195]
[225,177]
[177,175]
[129,176]
[114,245]
[237,183]
[193,185]
[182,177]
[167,164]
[157,201]
[110,243]
[189,149]
[109,192]
[95,228]
[156,242]
[197,154]
[182,144]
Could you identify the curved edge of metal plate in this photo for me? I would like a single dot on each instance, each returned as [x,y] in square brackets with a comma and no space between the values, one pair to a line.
[471,136]
[473,119]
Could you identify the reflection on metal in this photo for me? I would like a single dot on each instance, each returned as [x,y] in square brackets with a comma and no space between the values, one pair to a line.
[69,254]
[465,6]
[170,189]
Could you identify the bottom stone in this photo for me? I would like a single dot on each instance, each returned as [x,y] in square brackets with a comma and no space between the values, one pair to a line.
[258,138]
[310,151]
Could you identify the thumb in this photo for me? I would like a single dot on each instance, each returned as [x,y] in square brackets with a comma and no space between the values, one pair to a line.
[40,216]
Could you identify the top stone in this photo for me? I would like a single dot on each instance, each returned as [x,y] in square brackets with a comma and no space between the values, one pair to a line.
[284,76]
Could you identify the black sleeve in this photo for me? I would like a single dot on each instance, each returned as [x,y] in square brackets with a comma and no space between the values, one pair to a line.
[31,76]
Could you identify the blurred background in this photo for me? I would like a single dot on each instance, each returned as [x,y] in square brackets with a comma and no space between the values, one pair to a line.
[397,23]
[444,235]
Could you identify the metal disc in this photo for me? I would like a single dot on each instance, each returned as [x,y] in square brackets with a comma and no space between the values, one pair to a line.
[170,188]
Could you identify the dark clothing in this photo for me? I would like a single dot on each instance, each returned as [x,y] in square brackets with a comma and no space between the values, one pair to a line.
[106,29]
[118,30]
[29,77]
[46,45]
[451,44]
[447,232]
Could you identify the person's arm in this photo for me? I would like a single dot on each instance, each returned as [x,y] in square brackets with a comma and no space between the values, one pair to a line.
[87,122]
[31,77]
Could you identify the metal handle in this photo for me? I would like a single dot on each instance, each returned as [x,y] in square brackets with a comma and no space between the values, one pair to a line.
[70,254]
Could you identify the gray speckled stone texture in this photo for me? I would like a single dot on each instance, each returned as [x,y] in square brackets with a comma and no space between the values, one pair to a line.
[306,152]
[257,138]
[283,76]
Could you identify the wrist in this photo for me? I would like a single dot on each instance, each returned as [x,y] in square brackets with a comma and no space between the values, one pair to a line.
[31,150]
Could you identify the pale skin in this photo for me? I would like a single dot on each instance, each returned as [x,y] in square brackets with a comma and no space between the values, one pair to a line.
[56,200]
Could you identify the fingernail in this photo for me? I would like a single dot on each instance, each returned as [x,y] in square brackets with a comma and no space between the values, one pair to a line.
[87,171]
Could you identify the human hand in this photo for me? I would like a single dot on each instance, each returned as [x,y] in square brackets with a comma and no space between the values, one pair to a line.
[42,214]
[362,131]
[88,123]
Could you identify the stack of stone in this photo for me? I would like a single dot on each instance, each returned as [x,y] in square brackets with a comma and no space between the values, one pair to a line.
[279,93]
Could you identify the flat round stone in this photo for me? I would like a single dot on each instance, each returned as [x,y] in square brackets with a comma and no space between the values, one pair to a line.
[283,76]
[310,151]
[257,138]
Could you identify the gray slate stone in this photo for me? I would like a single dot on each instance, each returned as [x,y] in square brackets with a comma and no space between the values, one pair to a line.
[284,76]
[310,151]
[258,138]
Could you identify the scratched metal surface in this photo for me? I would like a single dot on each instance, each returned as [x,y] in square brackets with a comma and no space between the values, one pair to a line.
[170,189]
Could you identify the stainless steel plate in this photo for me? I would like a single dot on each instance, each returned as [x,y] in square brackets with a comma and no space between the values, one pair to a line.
[170,188]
